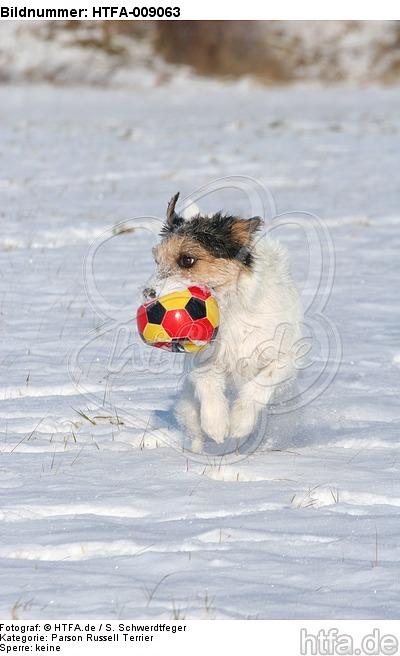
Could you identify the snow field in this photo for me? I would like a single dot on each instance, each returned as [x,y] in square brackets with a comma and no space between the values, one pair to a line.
[104,512]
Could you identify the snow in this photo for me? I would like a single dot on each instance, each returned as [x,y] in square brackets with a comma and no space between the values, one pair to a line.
[105,512]
[81,52]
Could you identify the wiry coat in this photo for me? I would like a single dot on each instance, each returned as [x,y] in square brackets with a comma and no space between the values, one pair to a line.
[256,348]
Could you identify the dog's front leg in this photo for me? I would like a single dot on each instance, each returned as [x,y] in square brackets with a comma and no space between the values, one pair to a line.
[246,409]
[214,409]
[254,395]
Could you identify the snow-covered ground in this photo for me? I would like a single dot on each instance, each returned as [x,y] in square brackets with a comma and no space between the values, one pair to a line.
[105,512]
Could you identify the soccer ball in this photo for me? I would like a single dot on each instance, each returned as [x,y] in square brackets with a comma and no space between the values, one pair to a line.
[182,322]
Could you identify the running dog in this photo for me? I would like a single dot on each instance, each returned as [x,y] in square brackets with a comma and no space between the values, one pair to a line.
[255,351]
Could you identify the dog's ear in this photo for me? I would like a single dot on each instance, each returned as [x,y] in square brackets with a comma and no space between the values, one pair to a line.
[243,229]
[171,207]
[173,219]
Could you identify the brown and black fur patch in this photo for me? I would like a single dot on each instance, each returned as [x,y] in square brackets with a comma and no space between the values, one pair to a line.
[205,268]
[221,235]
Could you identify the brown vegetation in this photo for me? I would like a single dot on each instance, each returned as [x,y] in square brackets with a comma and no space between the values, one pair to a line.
[272,52]
[282,51]
[222,48]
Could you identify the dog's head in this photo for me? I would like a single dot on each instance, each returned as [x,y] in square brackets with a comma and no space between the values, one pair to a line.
[212,250]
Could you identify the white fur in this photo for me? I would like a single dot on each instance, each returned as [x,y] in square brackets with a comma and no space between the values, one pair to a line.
[253,355]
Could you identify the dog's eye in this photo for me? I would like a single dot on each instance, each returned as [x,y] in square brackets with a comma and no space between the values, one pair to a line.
[186,261]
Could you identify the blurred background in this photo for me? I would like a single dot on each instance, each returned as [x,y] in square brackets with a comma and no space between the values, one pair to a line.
[119,53]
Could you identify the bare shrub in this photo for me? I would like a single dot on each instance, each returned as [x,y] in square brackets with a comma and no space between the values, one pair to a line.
[222,48]
[283,51]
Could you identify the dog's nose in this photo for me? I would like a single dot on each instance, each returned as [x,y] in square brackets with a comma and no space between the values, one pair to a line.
[149,293]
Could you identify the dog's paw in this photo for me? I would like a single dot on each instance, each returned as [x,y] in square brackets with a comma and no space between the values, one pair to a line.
[215,425]
[243,419]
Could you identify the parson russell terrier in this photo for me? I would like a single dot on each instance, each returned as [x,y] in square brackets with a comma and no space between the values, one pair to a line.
[255,351]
